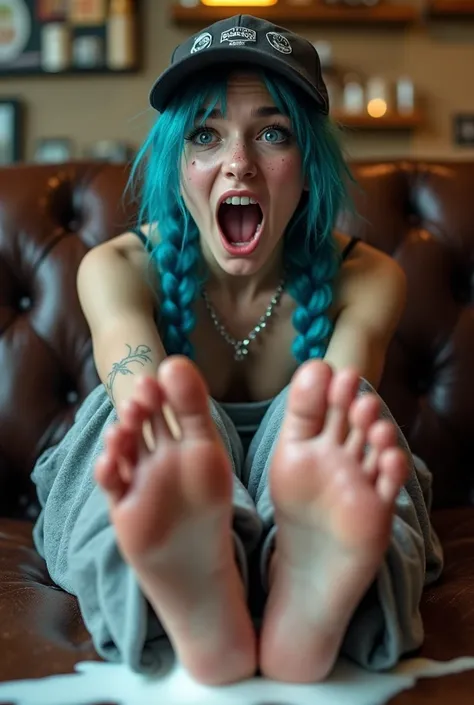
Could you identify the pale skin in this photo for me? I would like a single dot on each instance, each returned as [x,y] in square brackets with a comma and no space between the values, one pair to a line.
[171,503]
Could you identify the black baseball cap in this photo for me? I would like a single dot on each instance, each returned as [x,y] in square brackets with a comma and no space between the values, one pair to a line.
[244,39]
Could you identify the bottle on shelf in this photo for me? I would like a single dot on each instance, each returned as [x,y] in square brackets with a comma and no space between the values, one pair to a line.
[353,97]
[405,91]
[121,37]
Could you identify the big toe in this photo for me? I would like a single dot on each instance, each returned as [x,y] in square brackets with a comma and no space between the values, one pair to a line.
[187,395]
[307,401]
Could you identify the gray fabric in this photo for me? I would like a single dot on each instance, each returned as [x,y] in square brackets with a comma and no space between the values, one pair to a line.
[75,537]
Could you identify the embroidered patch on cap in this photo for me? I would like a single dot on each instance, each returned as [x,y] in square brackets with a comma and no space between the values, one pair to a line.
[279,42]
[204,41]
[238,36]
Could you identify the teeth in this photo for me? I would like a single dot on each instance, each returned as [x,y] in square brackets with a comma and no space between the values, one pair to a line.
[240,201]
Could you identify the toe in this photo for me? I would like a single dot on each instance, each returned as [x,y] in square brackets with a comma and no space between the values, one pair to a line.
[107,475]
[307,402]
[135,418]
[342,392]
[381,436]
[133,414]
[150,397]
[393,473]
[363,413]
[187,398]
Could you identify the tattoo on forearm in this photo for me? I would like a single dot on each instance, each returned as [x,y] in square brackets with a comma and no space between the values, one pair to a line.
[141,354]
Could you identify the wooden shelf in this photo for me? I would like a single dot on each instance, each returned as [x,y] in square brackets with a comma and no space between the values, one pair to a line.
[446,9]
[387,122]
[383,14]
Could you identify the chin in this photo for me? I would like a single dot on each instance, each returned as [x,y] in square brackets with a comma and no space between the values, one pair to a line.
[239,267]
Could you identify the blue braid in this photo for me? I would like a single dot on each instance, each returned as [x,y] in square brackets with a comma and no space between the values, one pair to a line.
[179,287]
[310,234]
[312,289]
[155,180]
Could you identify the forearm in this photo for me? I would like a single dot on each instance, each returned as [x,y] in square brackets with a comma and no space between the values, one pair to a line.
[124,354]
[367,357]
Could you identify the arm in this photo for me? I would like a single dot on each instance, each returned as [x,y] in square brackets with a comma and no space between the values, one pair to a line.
[119,307]
[373,299]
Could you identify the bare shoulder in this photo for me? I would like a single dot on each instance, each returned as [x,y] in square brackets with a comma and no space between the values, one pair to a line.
[371,283]
[129,245]
[118,270]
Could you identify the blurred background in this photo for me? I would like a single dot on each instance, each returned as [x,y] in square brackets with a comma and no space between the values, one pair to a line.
[75,74]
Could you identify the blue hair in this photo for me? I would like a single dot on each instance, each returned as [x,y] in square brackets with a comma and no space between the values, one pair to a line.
[311,257]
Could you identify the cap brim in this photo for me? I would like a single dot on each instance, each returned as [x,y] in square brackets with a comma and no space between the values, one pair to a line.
[170,80]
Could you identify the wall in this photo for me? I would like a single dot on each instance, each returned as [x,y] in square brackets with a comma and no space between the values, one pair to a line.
[440,60]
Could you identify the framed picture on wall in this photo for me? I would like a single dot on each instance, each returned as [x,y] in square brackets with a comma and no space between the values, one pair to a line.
[11,138]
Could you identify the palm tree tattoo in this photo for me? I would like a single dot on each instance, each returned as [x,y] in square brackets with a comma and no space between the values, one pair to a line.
[141,354]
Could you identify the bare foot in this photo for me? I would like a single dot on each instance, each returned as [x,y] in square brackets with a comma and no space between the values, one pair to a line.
[172,512]
[334,510]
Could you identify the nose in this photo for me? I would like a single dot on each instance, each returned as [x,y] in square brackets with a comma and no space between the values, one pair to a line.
[239,163]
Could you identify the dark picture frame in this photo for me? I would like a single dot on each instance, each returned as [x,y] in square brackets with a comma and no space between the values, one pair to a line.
[11,131]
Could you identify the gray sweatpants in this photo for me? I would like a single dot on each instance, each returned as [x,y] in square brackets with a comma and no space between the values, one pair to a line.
[74,535]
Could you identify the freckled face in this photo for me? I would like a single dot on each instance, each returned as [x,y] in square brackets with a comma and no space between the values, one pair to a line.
[251,148]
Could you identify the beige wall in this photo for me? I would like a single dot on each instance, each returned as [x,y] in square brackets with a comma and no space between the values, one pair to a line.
[440,60]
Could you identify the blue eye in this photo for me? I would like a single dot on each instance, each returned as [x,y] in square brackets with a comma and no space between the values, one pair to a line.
[204,137]
[201,137]
[276,135]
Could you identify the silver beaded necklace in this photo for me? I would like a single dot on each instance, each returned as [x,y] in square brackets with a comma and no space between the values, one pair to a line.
[241,346]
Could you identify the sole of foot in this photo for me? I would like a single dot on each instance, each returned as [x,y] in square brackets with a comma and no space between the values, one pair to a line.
[334,506]
[172,512]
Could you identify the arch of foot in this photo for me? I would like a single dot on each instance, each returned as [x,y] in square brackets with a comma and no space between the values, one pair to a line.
[422,214]
[49,218]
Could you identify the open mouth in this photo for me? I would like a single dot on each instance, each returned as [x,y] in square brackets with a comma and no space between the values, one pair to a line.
[240,220]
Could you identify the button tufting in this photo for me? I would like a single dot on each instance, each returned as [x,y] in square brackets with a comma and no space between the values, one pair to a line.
[24,303]
[423,384]
[72,397]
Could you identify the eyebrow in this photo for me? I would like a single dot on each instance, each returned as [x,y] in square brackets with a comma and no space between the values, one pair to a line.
[262,112]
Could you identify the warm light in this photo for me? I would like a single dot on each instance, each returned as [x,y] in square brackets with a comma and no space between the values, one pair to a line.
[377,107]
[239,3]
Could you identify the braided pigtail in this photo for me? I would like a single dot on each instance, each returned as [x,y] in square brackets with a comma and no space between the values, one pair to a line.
[177,265]
[311,257]
[176,253]
[312,288]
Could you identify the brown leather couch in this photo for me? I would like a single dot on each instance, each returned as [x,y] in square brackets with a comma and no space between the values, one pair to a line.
[421,213]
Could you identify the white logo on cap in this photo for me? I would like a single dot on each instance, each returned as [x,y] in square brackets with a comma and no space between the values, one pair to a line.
[204,41]
[279,42]
[237,36]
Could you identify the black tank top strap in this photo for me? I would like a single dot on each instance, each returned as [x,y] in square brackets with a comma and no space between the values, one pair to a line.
[349,247]
[141,235]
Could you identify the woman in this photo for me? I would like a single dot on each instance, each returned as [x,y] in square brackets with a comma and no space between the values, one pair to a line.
[241,180]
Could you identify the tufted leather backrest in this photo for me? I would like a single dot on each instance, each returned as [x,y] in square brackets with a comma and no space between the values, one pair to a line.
[49,218]
[422,214]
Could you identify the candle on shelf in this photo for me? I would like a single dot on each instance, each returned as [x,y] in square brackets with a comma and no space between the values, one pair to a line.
[377,96]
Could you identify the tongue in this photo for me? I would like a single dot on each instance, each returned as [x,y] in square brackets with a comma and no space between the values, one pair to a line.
[239,223]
